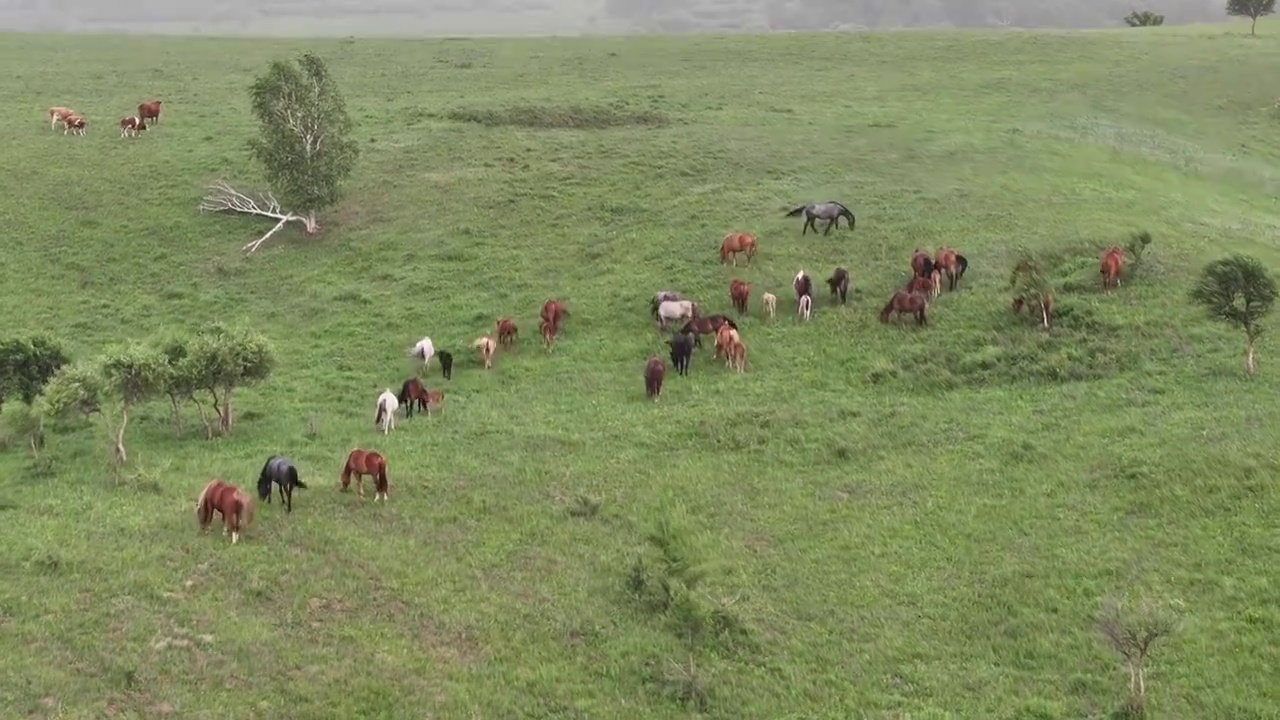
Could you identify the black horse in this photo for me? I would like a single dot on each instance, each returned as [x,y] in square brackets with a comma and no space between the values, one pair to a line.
[446,363]
[830,211]
[280,470]
[681,350]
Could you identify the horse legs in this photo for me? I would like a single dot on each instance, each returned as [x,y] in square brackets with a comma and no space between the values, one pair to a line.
[829,224]
[288,507]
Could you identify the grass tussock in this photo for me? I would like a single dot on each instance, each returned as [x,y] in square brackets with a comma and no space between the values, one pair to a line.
[560,117]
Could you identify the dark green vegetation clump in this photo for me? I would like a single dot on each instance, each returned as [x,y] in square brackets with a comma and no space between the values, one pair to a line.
[885,521]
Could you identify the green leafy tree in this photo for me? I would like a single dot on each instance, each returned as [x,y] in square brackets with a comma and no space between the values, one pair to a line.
[181,382]
[222,359]
[1146,18]
[133,376]
[26,364]
[1239,290]
[304,145]
[76,389]
[1252,9]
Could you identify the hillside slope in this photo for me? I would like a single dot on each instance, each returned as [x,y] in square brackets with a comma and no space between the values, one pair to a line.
[906,522]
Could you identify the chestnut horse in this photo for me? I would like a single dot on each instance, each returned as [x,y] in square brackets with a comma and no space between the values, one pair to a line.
[737,356]
[952,264]
[654,371]
[435,401]
[1043,303]
[548,334]
[905,302]
[706,326]
[921,263]
[150,111]
[739,293]
[725,337]
[234,504]
[922,285]
[508,333]
[735,243]
[1111,264]
[366,462]
[554,312]
[839,284]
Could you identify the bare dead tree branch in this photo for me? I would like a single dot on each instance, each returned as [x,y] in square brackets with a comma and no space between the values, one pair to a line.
[224,198]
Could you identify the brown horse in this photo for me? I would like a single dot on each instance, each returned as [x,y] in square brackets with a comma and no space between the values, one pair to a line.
[412,392]
[737,358]
[435,401]
[839,284]
[654,371]
[905,302]
[1043,303]
[1110,265]
[554,312]
[950,263]
[507,332]
[150,110]
[234,504]
[708,325]
[735,243]
[922,285]
[739,293]
[366,462]
[548,334]
[921,263]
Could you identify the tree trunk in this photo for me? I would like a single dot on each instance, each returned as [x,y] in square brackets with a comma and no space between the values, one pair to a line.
[1253,29]
[121,456]
[217,409]
[177,414]
[310,223]
[1250,366]
[204,419]
[224,421]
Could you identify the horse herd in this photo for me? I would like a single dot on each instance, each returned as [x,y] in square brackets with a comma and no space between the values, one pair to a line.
[76,124]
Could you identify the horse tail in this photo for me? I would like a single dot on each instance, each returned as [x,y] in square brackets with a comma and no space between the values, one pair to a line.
[797,211]
[382,474]
[246,508]
[293,477]
[962,264]
[381,410]
[403,397]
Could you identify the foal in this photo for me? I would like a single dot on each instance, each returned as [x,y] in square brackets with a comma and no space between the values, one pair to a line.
[486,346]
[507,332]
[769,302]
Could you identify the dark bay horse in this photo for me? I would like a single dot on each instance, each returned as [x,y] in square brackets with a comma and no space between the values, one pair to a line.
[412,393]
[953,264]
[234,504]
[708,325]
[281,471]
[921,264]
[739,295]
[654,371]
[830,211]
[681,352]
[366,462]
[839,284]
[906,302]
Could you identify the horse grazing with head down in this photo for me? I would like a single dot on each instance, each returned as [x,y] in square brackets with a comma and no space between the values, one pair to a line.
[663,296]
[739,293]
[366,462]
[654,371]
[131,126]
[235,506]
[384,413]
[674,310]
[554,312]
[1110,265]
[830,211]
[725,338]
[769,305]
[839,284]
[281,471]
[708,325]
[508,333]
[906,302]
[74,124]
[921,264]
[412,392]
[424,349]
[681,352]
[949,263]
[487,346]
[735,243]
[923,286]
[59,114]
[804,294]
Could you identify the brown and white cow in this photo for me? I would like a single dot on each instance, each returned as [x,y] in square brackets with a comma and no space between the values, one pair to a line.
[59,115]
[74,124]
[149,111]
[131,126]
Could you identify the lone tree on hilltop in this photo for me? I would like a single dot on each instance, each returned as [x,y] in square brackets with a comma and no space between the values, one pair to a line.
[1237,289]
[1252,9]
[305,147]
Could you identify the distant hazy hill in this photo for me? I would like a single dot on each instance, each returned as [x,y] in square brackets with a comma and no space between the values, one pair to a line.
[541,17]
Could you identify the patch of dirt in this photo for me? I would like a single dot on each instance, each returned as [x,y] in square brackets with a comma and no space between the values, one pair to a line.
[450,646]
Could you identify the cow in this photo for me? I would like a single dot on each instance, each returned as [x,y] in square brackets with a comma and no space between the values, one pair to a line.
[73,124]
[149,111]
[131,126]
[59,115]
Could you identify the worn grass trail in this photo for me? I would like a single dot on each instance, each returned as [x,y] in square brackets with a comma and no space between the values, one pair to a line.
[908,523]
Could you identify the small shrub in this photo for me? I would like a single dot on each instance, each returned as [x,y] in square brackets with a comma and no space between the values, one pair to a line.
[584,507]
[552,117]
[1146,18]
[1132,630]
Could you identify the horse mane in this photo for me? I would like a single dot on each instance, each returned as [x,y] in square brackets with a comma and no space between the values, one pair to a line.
[205,491]
[797,211]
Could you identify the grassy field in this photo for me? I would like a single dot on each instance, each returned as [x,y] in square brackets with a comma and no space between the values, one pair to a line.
[904,523]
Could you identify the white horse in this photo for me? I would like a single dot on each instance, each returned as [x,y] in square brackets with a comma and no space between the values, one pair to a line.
[676,310]
[424,351]
[385,413]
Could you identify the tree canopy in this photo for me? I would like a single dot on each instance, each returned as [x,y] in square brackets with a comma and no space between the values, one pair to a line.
[1252,9]
[305,143]
[1239,290]
[26,364]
